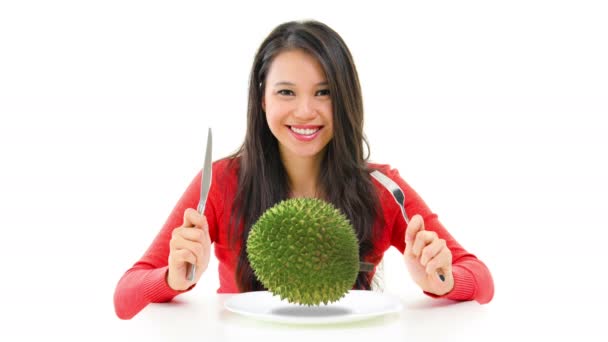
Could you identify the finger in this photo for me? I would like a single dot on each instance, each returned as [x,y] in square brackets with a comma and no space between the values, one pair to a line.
[416,224]
[440,262]
[184,256]
[206,238]
[193,219]
[423,238]
[431,250]
[196,235]
[195,247]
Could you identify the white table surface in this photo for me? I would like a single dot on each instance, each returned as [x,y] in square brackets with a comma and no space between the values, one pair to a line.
[193,317]
[198,317]
[561,302]
[519,311]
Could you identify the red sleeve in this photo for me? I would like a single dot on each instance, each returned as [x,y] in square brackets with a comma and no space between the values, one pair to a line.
[472,279]
[145,282]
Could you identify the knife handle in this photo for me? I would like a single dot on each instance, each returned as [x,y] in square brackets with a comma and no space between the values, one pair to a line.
[192,268]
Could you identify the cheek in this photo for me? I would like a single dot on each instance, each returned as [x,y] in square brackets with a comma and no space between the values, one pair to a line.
[279,107]
[276,113]
[274,120]
[328,113]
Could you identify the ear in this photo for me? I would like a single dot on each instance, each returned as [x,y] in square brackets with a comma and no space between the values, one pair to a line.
[264,103]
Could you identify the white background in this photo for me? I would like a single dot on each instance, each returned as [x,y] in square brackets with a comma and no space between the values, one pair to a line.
[492,111]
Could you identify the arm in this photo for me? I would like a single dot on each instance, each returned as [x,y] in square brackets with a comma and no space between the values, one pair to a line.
[146,281]
[472,279]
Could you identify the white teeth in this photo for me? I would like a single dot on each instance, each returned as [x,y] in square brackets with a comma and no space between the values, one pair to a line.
[304,131]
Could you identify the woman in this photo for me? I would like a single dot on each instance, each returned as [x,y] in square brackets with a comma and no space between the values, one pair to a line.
[304,139]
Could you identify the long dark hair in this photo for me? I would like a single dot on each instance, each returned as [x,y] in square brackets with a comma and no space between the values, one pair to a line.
[344,173]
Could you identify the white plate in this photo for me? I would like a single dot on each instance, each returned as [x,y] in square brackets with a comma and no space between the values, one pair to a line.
[355,306]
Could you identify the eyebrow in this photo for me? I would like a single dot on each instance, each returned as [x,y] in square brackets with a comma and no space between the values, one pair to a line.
[293,84]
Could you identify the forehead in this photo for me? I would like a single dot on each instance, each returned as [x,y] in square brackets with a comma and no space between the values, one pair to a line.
[295,66]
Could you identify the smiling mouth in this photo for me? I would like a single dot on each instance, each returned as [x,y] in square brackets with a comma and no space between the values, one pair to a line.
[306,131]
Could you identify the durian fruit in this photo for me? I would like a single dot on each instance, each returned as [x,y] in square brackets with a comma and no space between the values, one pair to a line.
[304,250]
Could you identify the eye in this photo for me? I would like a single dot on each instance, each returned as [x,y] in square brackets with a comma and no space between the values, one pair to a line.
[285,92]
[323,92]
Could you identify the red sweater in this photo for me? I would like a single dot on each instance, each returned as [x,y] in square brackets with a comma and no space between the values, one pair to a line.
[145,282]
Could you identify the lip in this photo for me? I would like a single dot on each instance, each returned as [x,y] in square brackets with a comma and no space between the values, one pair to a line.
[305,138]
[306,126]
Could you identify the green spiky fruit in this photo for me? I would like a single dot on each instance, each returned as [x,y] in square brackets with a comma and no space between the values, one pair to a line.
[304,250]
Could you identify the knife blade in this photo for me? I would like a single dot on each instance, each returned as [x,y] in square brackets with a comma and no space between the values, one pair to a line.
[205,185]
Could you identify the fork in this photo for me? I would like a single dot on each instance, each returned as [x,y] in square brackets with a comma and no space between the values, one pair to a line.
[399,197]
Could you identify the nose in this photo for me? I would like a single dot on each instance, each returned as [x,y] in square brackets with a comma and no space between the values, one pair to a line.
[305,109]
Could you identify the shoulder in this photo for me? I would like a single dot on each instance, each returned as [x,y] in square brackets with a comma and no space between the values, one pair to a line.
[413,201]
[385,195]
[385,169]
[385,189]
[378,166]
[227,165]
[226,171]
[224,183]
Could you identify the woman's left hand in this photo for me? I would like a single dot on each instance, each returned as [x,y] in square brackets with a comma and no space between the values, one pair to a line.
[427,258]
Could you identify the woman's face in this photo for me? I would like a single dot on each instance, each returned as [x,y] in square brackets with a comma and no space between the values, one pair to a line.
[298,104]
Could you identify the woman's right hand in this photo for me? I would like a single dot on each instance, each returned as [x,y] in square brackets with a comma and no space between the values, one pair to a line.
[190,244]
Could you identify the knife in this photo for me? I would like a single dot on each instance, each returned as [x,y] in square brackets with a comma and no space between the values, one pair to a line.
[205,185]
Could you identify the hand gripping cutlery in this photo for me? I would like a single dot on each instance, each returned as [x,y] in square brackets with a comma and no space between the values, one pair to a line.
[399,197]
[205,185]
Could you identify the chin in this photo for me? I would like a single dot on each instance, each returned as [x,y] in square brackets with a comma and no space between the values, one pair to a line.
[309,153]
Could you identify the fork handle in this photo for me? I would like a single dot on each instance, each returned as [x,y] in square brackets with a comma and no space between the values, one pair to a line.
[191,272]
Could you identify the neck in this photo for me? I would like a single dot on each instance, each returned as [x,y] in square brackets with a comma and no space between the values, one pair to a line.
[302,175]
